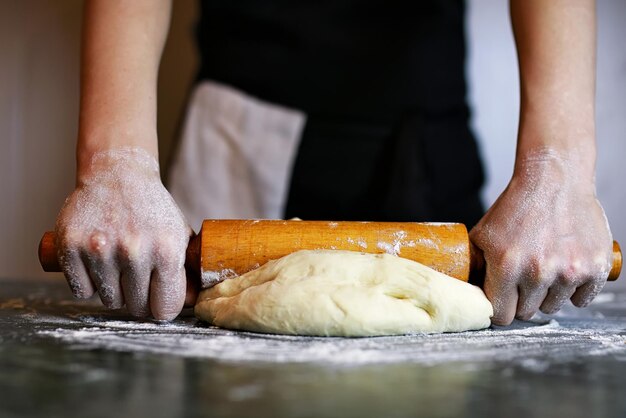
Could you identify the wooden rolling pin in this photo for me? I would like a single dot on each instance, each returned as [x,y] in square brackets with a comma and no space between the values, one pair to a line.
[226,248]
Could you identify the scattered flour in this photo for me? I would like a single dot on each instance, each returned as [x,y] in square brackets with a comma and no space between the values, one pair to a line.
[532,345]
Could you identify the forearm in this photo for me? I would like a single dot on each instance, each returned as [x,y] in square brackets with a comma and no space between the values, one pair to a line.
[556,50]
[122,45]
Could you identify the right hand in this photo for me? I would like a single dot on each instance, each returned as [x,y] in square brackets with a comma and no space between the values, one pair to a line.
[545,240]
[121,234]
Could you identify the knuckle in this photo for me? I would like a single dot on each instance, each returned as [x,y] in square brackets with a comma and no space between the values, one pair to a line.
[510,260]
[167,246]
[535,282]
[537,278]
[99,243]
[543,282]
[578,272]
[573,272]
[131,247]
[70,237]
[544,267]
[170,249]
[69,241]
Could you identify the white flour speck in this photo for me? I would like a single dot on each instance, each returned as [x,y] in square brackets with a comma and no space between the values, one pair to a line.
[211,278]
[360,242]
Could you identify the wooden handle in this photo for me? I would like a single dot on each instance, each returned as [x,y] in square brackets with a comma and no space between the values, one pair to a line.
[617,262]
[48,253]
[231,247]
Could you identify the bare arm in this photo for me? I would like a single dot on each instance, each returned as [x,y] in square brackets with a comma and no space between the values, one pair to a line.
[556,50]
[122,45]
[546,239]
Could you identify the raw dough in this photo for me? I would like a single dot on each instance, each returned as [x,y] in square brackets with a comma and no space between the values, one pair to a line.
[344,293]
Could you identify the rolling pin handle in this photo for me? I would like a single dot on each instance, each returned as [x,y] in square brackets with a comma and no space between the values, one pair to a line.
[48,253]
[477,259]
[193,256]
[617,262]
[192,268]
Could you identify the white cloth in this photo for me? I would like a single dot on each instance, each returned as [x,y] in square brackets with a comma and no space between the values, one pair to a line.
[235,156]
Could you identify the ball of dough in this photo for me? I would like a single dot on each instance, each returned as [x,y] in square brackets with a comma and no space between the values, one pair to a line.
[344,293]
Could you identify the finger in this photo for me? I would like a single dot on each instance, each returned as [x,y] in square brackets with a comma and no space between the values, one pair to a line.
[167,293]
[503,296]
[76,274]
[136,289]
[557,295]
[530,299]
[135,264]
[104,271]
[106,277]
[587,292]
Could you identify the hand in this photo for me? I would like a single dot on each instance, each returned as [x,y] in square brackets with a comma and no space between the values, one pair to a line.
[121,233]
[545,240]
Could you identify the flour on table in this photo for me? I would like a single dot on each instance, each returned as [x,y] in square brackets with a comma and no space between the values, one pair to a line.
[344,293]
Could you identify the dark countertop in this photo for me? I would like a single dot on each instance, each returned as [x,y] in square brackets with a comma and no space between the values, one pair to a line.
[60,357]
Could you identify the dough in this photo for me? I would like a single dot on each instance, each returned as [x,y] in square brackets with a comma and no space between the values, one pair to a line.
[344,293]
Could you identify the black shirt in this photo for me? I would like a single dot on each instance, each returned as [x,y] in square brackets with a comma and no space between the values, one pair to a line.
[383,87]
[360,59]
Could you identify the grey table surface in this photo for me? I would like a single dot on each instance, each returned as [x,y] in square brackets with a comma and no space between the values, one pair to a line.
[63,358]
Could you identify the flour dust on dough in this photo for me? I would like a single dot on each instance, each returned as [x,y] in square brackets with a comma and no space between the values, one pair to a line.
[344,293]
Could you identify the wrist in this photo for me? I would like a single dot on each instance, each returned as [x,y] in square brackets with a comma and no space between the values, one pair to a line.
[566,130]
[567,169]
[109,164]
[561,142]
[94,144]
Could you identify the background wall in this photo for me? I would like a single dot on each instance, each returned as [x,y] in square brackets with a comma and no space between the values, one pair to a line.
[38,113]
[39,103]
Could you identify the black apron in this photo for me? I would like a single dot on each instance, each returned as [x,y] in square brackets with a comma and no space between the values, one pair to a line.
[383,87]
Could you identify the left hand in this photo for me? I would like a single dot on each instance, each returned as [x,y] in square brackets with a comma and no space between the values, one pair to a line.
[545,240]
